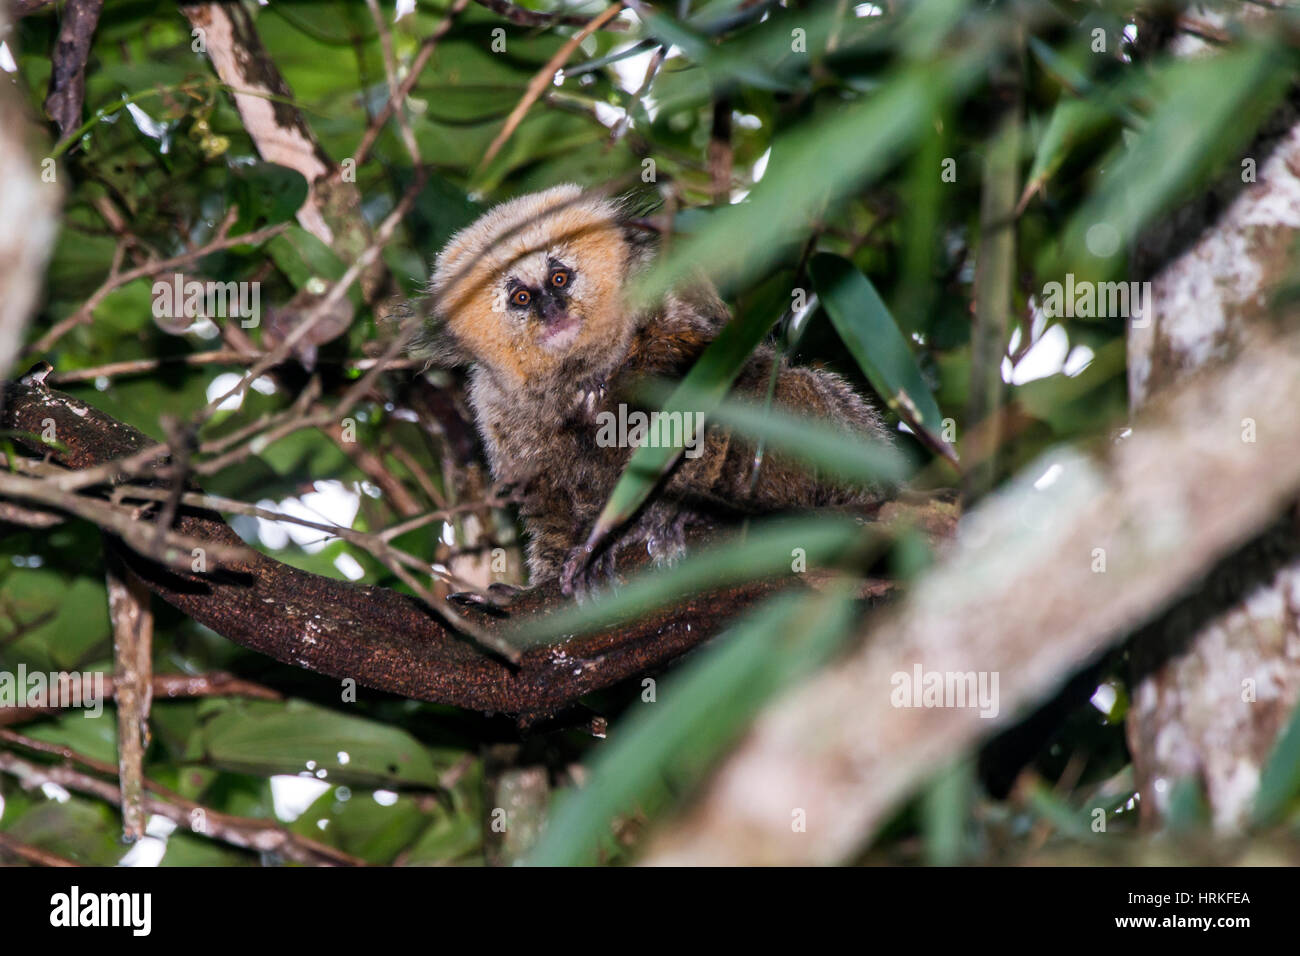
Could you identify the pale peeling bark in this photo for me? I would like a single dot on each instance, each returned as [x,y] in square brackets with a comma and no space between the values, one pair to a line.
[1215,683]
[281,134]
[1021,595]
[277,128]
[128,606]
[25,198]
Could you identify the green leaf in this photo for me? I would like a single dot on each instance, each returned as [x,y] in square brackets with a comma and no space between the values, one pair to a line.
[82,830]
[945,812]
[1280,781]
[1206,109]
[867,328]
[302,257]
[274,737]
[845,146]
[831,450]
[1073,120]
[91,736]
[266,194]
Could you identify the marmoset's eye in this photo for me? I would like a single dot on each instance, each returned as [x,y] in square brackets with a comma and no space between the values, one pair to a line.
[560,278]
[521,297]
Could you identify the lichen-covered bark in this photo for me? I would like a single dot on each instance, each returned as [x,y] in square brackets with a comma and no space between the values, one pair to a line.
[27,200]
[1020,594]
[1215,680]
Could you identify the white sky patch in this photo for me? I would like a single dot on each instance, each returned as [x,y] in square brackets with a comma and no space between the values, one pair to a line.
[349,567]
[1045,357]
[7,59]
[867,10]
[204,328]
[403,8]
[608,114]
[385,798]
[148,851]
[292,796]
[222,384]
[629,73]
[332,502]
[264,385]
[160,827]
[756,173]
[271,533]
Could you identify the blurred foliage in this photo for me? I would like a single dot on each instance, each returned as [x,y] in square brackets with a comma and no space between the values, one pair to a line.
[857,137]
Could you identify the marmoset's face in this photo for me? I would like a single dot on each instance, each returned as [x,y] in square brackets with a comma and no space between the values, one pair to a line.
[535,281]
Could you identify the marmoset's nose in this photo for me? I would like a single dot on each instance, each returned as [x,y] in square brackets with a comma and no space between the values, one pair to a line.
[551,308]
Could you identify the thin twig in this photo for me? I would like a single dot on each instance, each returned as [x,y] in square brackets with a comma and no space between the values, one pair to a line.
[651,71]
[32,854]
[522,17]
[118,279]
[390,70]
[543,78]
[164,686]
[262,835]
[418,62]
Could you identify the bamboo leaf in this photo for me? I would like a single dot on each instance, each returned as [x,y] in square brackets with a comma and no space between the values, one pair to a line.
[1205,110]
[871,335]
[767,550]
[1280,781]
[698,712]
[700,392]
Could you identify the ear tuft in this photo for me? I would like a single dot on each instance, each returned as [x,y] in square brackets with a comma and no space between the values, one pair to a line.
[436,344]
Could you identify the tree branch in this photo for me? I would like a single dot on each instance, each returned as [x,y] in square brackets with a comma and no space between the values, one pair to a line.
[68,77]
[377,637]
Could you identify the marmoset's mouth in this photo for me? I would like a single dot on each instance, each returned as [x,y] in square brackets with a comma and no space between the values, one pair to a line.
[560,329]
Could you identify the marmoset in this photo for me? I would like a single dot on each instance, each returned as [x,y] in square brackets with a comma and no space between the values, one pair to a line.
[532,296]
